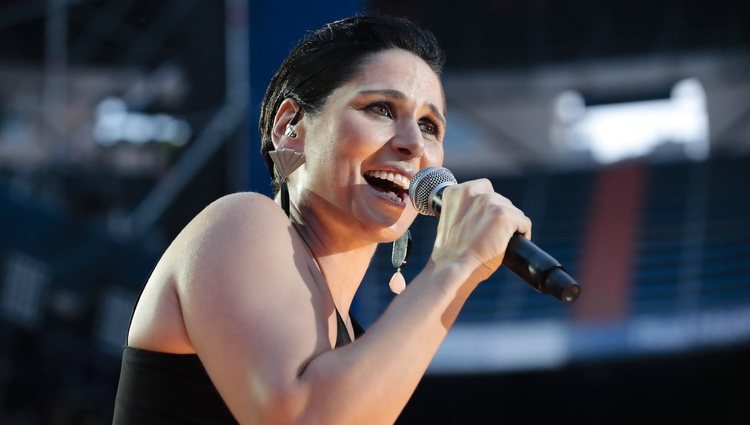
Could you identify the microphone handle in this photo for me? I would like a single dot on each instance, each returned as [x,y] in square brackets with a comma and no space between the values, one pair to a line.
[529,262]
[539,269]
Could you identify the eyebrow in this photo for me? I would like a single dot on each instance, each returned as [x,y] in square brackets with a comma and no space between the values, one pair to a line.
[399,95]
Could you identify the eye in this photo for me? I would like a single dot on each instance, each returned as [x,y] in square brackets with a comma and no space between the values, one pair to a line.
[429,127]
[380,108]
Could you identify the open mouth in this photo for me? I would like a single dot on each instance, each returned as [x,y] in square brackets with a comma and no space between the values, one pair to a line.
[394,186]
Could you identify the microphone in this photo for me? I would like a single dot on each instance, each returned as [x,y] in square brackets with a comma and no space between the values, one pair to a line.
[522,257]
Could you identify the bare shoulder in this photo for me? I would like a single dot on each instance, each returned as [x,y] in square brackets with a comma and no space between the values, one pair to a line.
[213,257]
[247,199]
[233,232]
[239,263]
[243,205]
[242,268]
[234,217]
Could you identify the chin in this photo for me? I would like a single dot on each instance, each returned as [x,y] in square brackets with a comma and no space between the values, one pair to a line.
[394,231]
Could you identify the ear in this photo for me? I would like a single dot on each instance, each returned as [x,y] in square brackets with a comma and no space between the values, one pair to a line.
[284,116]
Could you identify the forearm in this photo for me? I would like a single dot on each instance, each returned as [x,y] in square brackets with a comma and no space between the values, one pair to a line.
[370,380]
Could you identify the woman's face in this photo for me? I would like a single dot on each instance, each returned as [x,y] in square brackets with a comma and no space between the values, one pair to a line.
[374,133]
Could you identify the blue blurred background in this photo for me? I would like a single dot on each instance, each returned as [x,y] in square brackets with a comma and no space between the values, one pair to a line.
[622,128]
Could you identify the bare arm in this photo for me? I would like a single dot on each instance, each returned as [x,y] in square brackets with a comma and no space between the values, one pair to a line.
[266,346]
[384,366]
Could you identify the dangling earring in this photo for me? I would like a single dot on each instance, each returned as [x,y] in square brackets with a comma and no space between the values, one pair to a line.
[401,249]
[286,161]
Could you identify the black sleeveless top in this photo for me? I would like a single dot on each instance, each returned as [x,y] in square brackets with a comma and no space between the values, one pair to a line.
[171,389]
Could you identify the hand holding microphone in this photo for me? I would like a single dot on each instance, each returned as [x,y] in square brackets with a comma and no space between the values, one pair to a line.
[522,257]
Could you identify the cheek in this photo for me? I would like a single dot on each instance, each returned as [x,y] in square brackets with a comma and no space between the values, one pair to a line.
[359,138]
[434,155]
[340,153]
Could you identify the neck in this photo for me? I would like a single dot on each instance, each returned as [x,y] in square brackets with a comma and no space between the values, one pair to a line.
[343,260]
[341,243]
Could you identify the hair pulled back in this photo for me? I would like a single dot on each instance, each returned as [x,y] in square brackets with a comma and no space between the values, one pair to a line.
[330,56]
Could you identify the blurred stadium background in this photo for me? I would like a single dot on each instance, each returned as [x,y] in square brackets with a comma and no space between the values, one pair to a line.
[622,128]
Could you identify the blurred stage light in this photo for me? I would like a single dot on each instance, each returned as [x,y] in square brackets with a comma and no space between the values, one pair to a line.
[115,124]
[616,131]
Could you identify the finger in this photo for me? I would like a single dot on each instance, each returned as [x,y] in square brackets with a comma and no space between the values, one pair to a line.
[524,227]
[515,217]
[478,186]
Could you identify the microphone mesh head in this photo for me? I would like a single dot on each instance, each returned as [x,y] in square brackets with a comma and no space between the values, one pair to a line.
[424,184]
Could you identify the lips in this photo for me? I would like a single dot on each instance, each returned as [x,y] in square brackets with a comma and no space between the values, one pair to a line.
[392,184]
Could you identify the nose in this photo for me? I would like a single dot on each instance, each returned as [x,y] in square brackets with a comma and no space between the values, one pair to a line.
[408,140]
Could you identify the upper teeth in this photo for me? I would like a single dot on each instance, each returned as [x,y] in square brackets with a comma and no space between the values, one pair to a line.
[398,179]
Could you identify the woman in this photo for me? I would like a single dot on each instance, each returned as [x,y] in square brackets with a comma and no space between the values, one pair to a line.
[245,319]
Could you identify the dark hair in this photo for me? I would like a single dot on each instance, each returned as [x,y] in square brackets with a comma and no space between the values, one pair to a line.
[330,56]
